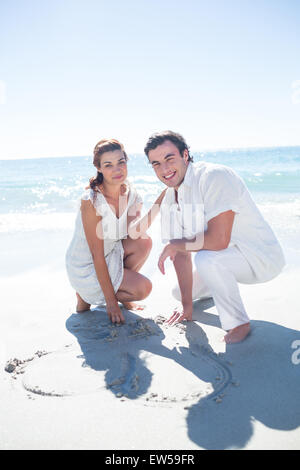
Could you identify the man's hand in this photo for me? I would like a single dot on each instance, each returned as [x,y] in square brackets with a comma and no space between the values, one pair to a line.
[169,251]
[180,314]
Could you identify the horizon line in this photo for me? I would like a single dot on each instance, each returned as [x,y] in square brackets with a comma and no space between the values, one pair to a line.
[207,149]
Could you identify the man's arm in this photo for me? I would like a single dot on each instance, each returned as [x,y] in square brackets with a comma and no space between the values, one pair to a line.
[184,271]
[216,237]
[218,233]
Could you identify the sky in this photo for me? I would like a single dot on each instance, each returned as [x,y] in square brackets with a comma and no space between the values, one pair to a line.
[223,73]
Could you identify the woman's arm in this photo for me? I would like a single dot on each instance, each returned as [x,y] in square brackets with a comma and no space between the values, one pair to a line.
[94,235]
[137,225]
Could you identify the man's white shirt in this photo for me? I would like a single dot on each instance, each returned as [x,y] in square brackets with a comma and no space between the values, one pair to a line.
[208,190]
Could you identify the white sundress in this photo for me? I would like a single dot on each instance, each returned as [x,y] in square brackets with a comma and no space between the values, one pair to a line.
[79,262]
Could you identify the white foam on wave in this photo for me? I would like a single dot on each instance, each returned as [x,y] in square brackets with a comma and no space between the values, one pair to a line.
[143,178]
[284,216]
[63,191]
[30,222]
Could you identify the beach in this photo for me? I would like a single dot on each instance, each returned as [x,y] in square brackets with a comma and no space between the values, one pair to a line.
[75,381]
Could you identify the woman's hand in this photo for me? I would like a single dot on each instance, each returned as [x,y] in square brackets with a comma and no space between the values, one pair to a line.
[114,313]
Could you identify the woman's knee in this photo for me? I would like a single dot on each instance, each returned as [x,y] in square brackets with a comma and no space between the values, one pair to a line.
[136,285]
[144,244]
[141,246]
[143,287]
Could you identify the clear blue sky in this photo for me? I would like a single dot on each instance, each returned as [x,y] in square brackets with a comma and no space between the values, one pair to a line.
[221,72]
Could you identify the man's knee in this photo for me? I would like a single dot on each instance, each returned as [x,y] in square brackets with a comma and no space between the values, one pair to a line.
[205,261]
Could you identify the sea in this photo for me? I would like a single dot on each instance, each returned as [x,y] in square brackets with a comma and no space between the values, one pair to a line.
[39,199]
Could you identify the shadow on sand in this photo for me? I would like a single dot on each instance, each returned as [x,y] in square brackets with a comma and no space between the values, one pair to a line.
[257,379]
[268,389]
[128,354]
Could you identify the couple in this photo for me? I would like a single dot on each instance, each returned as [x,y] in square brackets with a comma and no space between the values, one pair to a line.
[216,235]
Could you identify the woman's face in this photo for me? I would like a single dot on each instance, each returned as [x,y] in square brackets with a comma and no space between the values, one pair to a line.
[113,166]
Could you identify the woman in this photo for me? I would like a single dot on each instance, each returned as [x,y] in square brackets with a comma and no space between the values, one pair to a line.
[102,261]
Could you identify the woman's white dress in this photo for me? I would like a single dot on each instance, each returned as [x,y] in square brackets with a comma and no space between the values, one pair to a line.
[79,261]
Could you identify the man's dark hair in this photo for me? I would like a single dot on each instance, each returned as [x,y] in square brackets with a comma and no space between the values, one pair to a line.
[160,137]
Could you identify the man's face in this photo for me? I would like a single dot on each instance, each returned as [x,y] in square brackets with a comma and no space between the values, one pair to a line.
[168,164]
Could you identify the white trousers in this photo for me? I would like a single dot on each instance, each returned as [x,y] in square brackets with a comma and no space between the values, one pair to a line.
[217,275]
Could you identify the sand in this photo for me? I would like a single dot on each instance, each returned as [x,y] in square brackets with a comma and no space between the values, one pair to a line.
[75,381]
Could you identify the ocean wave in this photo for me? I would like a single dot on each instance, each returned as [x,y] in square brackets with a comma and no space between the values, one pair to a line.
[26,222]
[44,193]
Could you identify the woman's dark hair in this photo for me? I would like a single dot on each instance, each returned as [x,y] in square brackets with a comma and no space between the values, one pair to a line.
[104,145]
[160,137]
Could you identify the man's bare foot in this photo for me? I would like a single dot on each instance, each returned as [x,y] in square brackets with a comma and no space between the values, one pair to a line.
[237,334]
[133,306]
[82,306]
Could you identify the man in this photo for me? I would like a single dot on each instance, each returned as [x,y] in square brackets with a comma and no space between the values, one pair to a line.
[230,241]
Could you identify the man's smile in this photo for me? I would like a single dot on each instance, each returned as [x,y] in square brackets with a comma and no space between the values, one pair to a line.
[170,175]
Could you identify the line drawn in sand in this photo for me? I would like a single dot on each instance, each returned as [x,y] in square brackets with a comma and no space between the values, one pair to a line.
[142,360]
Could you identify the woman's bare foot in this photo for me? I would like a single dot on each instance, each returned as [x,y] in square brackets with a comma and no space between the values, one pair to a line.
[237,334]
[82,306]
[133,306]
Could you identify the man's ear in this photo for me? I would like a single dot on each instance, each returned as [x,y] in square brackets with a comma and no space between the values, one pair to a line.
[185,156]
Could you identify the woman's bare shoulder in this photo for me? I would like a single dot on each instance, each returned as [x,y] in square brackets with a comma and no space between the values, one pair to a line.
[89,210]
